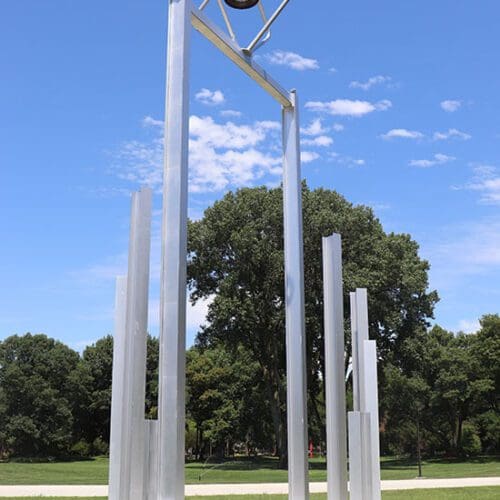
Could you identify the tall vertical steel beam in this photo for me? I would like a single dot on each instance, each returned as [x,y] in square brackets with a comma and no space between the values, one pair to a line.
[171,405]
[136,333]
[298,479]
[117,445]
[334,368]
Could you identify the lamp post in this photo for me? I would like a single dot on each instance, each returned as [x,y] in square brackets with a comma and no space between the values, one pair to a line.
[171,407]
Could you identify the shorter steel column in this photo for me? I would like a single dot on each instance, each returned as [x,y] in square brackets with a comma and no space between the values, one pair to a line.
[298,471]
[359,456]
[117,443]
[371,406]
[334,368]
[136,338]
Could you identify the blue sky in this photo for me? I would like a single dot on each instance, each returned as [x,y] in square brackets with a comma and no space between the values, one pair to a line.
[399,108]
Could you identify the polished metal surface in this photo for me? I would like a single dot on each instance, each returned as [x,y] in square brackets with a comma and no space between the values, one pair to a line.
[359,456]
[136,337]
[370,405]
[336,424]
[172,383]
[298,474]
[118,439]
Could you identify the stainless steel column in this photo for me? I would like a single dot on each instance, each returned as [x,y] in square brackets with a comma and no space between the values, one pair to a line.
[171,405]
[334,368]
[117,443]
[298,473]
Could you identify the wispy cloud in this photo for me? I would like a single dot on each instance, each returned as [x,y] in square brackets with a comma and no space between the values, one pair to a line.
[347,107]
[486,181]
[438,159]
[322,141]
[452,133]
[468,326]
[346,160]
[210,97]
[231,113]
[402,133]
[374,80]
[291,60]
[450,106]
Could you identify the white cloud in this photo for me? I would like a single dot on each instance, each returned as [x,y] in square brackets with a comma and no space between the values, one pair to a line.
[148,121]
[452,133]
[402,133]
[338,127]
[347,107]
[308,156]
[320,141]
[486,182]
[332,70]
[374,80]
[438,159]
[222,155]
[291,60]
[450,106]
[231,113]
[314,128]
[210,97]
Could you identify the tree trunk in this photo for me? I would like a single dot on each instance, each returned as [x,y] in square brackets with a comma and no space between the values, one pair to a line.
[275,391]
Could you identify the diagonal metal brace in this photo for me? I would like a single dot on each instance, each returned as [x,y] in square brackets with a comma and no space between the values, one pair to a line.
[244,61]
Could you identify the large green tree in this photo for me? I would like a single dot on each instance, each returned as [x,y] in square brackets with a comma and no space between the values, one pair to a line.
[35,396]
[236,257]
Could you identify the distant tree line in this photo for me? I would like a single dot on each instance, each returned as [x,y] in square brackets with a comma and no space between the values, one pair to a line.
[439,391]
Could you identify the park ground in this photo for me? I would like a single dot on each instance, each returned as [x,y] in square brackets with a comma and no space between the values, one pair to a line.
[261,470]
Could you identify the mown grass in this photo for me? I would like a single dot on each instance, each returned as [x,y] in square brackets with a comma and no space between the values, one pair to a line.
[260,470]
[483,493]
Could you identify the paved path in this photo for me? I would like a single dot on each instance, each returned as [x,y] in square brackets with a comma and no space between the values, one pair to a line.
[241,489]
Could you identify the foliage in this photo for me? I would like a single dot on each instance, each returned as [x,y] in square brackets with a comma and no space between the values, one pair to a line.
[35,410]
[236,257]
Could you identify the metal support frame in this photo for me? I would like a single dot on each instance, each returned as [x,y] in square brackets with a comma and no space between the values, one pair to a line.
[336,431]
[298,469]
[174,241]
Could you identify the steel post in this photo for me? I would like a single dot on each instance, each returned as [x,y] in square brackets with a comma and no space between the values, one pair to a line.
[371,407]
[334,368]
[171,405]
[298,479]
[117,444]
[136,333]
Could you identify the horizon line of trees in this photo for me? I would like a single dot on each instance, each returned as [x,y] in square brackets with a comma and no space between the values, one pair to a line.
[441,387]
[55,402]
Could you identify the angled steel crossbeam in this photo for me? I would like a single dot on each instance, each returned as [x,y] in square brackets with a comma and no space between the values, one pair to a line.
[242,59]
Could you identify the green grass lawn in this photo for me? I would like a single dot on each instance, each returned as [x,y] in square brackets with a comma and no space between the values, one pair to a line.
[260,470]
[486,493]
